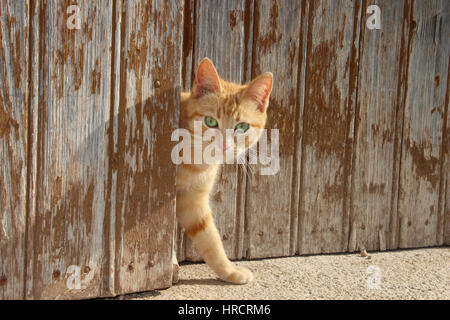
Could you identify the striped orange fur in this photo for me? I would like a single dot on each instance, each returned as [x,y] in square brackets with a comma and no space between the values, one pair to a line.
[199,226]
[229,104]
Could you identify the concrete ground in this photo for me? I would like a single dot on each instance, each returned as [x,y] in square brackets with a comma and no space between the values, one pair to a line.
[402,274]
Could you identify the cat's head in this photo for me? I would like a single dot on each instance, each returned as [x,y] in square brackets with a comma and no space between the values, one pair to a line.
[221,105]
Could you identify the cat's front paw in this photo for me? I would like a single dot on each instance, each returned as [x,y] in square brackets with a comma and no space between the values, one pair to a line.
[239,275]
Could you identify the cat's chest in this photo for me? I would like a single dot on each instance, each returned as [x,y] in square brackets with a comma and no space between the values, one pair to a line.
[188,178]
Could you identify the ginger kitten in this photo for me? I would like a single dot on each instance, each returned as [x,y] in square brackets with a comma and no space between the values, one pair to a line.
[219,105]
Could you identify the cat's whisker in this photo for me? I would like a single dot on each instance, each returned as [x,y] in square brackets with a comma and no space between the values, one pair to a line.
[243,162]
[244,169]
[252,155]
[248,160]
[252,158]
[251,169]
[247,169]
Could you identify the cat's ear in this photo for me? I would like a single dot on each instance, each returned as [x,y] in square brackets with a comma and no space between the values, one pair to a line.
[258,91]
[207,80]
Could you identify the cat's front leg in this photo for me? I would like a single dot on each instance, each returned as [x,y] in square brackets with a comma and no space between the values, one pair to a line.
[200,227]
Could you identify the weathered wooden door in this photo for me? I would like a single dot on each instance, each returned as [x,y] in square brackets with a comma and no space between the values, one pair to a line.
[89,95]
[363,123]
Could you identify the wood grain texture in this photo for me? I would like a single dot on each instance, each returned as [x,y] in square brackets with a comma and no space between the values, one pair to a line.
[298,136]
[446,167]
[33,118]
[92,184]
[276,45]
[66,230]
[375,159]
[14,101]
[328,116]
[151,43]
[186,79]
[109,226]
[220,35]
[87,186]
[419,218]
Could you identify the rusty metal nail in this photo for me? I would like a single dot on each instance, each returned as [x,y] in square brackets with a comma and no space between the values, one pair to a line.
[56,274]
[3,280]
[86,269]
[225,237]
[151,263]
[280,231]
[261,233]
[131,266]
[157,84]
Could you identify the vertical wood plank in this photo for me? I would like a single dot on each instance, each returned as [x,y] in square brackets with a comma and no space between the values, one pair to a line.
[298,137]
[381,57]
[186,78]
[394,221]
[65,237]
[151,46]
[244,173]
[108,271]
[33,113]
[420,219]
[276,43]
[189,20]
[14,100]
[446,166]
[220,35]
[332,54]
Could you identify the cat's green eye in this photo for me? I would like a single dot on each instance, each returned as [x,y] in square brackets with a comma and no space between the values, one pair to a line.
[211,122]
[241,127]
